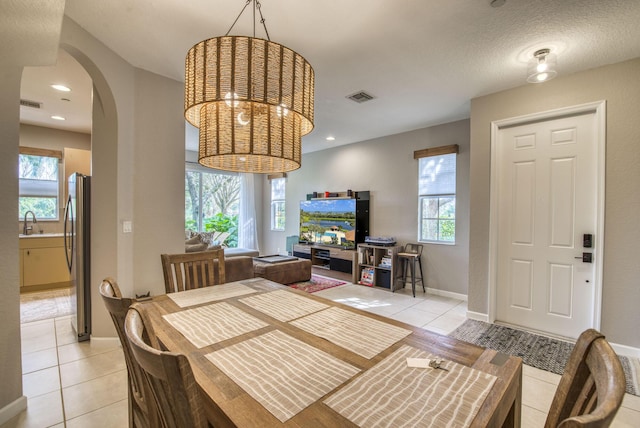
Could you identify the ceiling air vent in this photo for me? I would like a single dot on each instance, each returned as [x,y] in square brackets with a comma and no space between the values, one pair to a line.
[32,104]
[360,97]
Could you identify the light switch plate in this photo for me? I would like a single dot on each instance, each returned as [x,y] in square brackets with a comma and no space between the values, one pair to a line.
[126,227]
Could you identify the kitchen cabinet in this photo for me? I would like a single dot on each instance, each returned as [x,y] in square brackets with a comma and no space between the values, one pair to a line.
[42,262]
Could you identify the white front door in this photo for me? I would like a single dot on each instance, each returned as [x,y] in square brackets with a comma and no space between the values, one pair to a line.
[547,186]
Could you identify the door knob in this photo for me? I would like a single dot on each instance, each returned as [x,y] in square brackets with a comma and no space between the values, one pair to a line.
[586,258]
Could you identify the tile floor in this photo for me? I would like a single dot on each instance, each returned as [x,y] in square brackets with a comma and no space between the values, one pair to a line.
[70,384]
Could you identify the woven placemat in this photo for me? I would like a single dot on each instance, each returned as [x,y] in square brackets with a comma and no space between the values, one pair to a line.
[282,373]
[391,394]
[357,333]
[283,305]
[214,323]
[213,293]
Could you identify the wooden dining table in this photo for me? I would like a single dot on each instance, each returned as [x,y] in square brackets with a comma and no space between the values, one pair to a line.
[267,355]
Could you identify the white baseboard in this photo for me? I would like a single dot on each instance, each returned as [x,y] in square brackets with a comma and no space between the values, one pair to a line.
[625,350]
[13,409]
[478,316]
[106,340]
[444,293]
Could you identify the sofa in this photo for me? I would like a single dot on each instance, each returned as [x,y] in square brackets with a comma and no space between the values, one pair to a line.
[238,268]
[203,241]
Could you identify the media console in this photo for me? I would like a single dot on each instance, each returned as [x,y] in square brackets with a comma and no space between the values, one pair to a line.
[329,261]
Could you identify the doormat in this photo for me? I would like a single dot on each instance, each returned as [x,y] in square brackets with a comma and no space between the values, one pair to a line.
[317,283]
[42,305]
[537,351]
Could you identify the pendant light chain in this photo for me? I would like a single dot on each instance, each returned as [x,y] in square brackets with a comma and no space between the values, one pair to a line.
[256,5]
[262,20]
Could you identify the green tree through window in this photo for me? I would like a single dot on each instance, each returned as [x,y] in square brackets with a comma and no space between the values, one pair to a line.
[212,203]
[38,186]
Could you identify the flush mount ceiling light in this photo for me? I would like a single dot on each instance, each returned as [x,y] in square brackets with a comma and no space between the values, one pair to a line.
[252,100]
[61,88]
[542,66]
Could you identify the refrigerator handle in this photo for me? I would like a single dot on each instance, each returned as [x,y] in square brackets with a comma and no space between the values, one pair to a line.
[68,237]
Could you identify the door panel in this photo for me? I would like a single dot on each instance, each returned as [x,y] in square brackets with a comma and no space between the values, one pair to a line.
[546,201]
[521,283]
[560,290]
[562,194]
[523,202]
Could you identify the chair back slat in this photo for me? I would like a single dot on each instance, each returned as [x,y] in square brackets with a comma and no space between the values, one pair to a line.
[592,387]
[142,412]
[173,386]
[193,270]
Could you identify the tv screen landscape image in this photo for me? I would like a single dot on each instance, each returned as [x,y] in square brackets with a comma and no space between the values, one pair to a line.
[328,222]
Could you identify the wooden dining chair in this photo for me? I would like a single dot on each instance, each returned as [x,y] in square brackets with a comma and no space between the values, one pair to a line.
[141,412]
[173,386]
[193,270]
[592,386]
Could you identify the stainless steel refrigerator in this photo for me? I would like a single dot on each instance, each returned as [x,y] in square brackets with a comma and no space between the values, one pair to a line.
[77,234]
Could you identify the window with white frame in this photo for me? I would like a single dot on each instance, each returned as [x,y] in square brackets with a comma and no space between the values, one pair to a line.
[278,187]
[38,183]
[212,200]
[437,196]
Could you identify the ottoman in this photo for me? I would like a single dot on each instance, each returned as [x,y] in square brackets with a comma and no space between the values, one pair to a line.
[283,272]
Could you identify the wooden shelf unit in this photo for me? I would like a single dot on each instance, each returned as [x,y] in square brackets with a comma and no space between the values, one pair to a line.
[370,259]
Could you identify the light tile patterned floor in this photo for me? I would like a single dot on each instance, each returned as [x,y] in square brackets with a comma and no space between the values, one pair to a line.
[70,384]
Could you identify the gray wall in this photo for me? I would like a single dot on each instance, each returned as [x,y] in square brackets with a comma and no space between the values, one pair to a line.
[619,85]
[56,139]
[137,169]
[385,166]
[10,363]
[158,177]
[35,47]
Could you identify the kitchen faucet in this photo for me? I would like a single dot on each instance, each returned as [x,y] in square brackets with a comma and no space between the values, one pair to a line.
[25,229]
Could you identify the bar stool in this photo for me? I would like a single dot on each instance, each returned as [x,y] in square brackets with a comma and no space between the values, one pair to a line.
[410,254]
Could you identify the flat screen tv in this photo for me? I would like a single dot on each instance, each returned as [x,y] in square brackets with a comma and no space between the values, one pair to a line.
[328,222]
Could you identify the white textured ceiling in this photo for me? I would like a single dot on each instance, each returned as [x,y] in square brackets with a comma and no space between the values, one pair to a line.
[422,60]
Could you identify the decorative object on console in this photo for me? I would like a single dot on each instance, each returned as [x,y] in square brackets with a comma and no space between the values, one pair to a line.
[252,100]
[380,240]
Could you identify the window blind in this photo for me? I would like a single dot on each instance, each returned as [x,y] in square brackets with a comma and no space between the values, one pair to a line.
[437,175]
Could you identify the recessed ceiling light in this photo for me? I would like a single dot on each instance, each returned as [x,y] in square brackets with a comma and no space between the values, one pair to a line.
[58,118]
[61,88]
[331,138]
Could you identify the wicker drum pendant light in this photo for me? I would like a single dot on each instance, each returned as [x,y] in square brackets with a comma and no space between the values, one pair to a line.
[252,100]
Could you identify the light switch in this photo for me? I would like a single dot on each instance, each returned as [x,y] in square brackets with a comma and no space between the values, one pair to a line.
[126,227]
